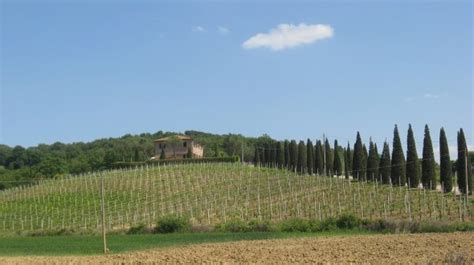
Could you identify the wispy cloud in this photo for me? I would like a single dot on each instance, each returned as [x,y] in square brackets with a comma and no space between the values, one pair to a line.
[199,29]
[223,30]
[429,95]
[286,36]
[425,96]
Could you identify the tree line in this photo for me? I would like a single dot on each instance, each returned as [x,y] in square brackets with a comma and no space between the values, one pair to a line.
[19,165]
[367,164]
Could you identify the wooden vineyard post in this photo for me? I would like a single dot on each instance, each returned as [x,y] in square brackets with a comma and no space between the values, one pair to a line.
[258,196]
[466,208]
[409,204]
[102,209]
[460,209]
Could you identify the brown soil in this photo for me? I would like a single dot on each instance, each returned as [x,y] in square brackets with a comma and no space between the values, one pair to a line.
[375,249]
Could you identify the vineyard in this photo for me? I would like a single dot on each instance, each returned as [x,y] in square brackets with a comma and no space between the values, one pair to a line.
[212,194]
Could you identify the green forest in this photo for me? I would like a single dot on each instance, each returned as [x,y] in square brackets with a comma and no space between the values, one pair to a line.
[19,165]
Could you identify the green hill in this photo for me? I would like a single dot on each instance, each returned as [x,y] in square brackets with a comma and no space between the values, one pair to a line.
[209,194]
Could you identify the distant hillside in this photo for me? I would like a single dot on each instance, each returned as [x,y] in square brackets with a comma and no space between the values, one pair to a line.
[19,164]
[362,160]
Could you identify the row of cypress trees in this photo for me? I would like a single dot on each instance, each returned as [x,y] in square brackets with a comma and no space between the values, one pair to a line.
[368,165]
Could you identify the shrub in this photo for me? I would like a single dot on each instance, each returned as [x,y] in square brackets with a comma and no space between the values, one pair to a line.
[139,229]
[65,232]
[329,224]
[436,227]
[295,225]
[171,224]
[381,225]
[227,159]
[348,221]
[260,226]
[464,227]
[200,228]
[234,226]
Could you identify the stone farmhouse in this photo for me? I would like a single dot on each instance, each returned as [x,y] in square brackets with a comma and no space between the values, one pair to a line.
[177,147]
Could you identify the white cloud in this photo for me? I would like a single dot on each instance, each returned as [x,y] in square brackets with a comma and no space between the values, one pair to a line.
[199,29]
[428,95]
[223,30]
[408,99]
[288,36]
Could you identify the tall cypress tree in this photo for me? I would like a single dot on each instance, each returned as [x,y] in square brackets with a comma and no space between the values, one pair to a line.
[397,173]
[428,163]
[293,155]
[385,164]
[274,153]
[329,158]
[461,166]
[363,170]
[377,160]
[256,157]
[348,161]
[280,155]
[318,158]
[445,163]
[337,163]
[372,162]
[266,155]
[309,155]
[357,158]
[412,166]
[271,154]
[301,163]
[286,153]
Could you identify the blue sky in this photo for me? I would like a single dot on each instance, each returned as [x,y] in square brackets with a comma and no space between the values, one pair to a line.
[78,71]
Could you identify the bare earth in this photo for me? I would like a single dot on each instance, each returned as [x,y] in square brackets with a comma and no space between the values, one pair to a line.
[375,249]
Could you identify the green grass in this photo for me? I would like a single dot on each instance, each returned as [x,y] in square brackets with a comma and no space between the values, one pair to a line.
[92,245]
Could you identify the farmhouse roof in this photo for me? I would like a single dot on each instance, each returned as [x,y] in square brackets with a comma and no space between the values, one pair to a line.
[179,137]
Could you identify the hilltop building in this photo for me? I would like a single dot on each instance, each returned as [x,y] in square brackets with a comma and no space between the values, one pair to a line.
[177,147]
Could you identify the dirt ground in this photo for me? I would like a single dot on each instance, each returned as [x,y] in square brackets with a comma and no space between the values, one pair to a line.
[374,249]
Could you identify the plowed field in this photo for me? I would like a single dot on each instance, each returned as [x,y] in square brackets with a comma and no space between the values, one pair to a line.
[375,249]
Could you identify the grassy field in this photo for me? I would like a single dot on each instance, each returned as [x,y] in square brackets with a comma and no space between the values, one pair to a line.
[211,194]
[92,245]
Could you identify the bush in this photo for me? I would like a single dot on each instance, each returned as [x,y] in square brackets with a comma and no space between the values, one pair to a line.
[227,159]
[436,227]
[65,232]
[233,226]
[348,221]
[464,227]
[172,224]
[260,226]
[139,229]
[329,224]
[381,225]
[200,228]
[295,225]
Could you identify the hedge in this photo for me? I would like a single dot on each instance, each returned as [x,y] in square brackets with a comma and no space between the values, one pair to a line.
[227,159]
